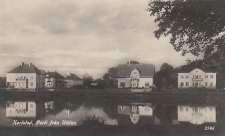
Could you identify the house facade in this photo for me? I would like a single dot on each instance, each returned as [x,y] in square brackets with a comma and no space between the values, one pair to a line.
[54,80]
[72,80]
[197,79]
[25,76]
[135,75]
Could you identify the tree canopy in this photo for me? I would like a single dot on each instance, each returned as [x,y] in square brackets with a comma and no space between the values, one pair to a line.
[193,26]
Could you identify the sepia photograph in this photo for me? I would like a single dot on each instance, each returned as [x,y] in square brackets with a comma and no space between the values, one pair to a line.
[112,68]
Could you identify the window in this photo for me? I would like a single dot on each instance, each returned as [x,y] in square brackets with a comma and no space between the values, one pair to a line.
[211,76]
[182,84]
[187,83]
[31,84]
[122,84]
[193,84]
[147,84]
[134,72]
[196,76]
[211,84]
[206,83]
[206,76]
[186,76]
[181,76]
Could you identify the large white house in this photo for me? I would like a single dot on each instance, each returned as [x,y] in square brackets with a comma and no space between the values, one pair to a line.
[197,78]
[135,75]
[25,76]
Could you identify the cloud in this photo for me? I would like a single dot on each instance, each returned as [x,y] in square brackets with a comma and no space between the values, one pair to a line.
[80,36]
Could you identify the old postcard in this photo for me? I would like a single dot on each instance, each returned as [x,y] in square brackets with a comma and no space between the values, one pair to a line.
[112,67]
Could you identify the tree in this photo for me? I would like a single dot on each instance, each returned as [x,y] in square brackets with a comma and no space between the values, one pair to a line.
[163,77]
[87,80]
[194,27]
[110,76]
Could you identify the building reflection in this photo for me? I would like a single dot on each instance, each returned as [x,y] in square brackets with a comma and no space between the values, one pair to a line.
[136,113]
[20,109]
[116,114]
[196,114]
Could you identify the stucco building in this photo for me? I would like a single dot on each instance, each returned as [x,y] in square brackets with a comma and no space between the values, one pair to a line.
[197,79]
[72,80]
[25,76]
[135,75]
[54,80]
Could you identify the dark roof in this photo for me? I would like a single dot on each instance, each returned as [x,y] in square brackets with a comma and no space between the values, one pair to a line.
[72,77]
[26,68]
[146,70]
[54,75]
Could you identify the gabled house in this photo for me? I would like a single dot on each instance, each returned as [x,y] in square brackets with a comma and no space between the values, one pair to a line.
[135,75]
[197,78]
[72,80]
[54,80]
[25,76]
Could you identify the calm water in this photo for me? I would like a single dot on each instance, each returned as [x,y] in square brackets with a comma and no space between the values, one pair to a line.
[63,113]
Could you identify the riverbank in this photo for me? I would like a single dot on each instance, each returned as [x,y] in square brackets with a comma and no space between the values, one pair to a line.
[119,95]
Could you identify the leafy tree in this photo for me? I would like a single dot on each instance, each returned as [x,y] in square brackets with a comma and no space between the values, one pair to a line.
[110,76]
[87,80]
[194,27]
[163,76]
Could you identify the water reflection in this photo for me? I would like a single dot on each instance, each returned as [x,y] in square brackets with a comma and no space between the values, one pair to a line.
[20,109]
[136,113]
[43,113]
[197,114]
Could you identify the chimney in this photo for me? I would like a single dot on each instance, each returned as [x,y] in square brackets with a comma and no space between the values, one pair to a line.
[21,64]
[30,64]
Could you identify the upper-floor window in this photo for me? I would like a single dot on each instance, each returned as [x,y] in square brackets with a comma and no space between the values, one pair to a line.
[187,83]
[186,76]
[211,76]
[181,76]
[196,76]
[206,76]
[31,84]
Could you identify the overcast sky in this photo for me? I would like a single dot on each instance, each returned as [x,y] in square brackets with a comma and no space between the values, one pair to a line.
[80,35]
